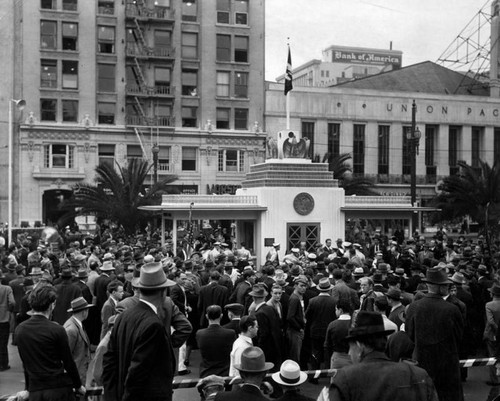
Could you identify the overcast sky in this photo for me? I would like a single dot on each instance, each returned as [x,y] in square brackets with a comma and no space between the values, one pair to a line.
[421,29]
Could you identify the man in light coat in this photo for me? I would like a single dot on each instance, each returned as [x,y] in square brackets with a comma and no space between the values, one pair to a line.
[78,340]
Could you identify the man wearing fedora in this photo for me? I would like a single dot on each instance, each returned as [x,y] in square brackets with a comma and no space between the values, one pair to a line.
[140,361]
[436,328]
[290,378]
[319,313]
[491,329]
[373,376]
[67,291]
[78,340]
[49,369]
[253,369]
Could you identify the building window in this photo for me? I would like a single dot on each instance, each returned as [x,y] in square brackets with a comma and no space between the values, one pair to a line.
[240,118]
[162,80]
[70,111]
[358,149]
[383,149]
[48,109]
[107,154]
[106,113]
[164,158]
[189,116]
[48,35]
[308,132]
[163,43]
[69,36]
[223,83]
[334,139]
[48,4]
[406,152]
[241,84]
[105,77]
[48,74]
[223,10]
[223,48]
[189,45]
[59,156]
[496,145]
[222,119]
[106,7]
[189,82]
[69,74]
[70,5]
[106,39]
[430,138]
[241,12]
[163,113]
[476,141]
[134,152]
[241,49]
[189,10]
[453,142]
[231,160]
[188,159]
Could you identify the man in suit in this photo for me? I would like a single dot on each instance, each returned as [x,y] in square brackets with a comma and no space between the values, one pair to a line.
[140,361]
[115,291]
[67,291]
[7,304]
[234,313]
[49,369]
[92,324]
[436,326]
[101,283]
[397,311]
[319,313]
[215,344]
[296,322]
[491,330]
[78,340]
[269,338]
[211,294]
[253,369]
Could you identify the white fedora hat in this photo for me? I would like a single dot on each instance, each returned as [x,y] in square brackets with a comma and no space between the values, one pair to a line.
[289,374]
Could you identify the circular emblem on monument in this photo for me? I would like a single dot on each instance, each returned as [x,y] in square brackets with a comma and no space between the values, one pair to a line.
[303,203]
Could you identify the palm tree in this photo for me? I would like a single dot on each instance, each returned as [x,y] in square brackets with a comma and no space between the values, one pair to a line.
[342,171]
[474,192]
[118,193]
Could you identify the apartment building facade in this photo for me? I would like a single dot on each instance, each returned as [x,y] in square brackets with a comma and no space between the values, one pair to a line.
[110,80]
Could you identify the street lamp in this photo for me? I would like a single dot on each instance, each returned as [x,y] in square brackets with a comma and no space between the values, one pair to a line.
[155,150]
[413,136]
[20,104]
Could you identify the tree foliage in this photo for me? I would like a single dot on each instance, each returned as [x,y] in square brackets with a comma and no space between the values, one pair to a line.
[342,171]
[474,192]
[118,193]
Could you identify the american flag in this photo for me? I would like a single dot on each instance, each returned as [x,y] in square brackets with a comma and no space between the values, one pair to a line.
[288,73]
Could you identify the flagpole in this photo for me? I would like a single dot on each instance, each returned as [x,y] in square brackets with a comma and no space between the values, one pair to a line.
[288,85]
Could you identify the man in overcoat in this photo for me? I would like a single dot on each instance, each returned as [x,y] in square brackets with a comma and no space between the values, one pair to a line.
[140,361]
[436,327]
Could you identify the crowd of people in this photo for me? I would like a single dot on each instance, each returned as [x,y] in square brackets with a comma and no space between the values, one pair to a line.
[110,310]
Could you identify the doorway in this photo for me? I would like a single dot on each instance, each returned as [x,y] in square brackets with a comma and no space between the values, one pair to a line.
[303,232]
[52,201]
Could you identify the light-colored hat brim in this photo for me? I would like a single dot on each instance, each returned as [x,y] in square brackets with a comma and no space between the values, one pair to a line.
[302,378]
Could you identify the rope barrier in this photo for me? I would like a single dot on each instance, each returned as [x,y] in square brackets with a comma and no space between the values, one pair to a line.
[191,383]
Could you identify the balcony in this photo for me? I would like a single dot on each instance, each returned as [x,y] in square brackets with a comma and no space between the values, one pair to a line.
[160,53]
[145,13]
[156,91]
[135,120]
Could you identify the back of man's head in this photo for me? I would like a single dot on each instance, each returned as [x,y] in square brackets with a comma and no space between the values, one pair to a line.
[41,298]
[214,312]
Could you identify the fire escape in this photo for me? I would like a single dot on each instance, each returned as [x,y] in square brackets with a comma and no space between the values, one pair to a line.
[150,96]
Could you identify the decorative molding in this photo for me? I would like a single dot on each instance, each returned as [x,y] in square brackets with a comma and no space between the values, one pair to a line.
[31,119]
[86,121]
[69,136]
[176,154]
[58,183]
[249,142]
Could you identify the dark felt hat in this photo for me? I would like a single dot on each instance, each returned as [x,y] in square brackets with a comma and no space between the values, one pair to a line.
[436,275]
[79,304]
[368,324]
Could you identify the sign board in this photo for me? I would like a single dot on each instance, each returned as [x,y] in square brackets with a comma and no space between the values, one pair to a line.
[268,241]
[365,57]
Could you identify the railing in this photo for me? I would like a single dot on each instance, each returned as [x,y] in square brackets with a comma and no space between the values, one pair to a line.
[150,90]
[162,13]
[377,200]
[211,199]
[167,121]
[135,50]
[163,166]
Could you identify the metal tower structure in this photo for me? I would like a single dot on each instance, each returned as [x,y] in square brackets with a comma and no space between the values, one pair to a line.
[469,52]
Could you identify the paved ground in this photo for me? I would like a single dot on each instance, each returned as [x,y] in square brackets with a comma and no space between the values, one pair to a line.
[475,389]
